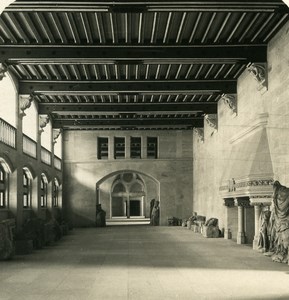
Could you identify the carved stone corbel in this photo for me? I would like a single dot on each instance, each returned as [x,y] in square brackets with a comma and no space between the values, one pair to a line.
[3,70]
[56,134]
[200,133]
[24,103]
[231,101]
[259,72]
[212,121]
[43,121]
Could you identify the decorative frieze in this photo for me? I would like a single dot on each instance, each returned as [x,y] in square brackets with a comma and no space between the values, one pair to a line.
[212,120]
[260,182]
[24,103]
[56,134]
[231,101]
[43,121]
[3,70]
[200,134]
[259,72]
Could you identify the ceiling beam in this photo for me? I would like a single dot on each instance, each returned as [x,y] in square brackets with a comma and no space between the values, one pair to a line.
[132,54]
[94,88]
[195,122]
[140,6]
[74,108]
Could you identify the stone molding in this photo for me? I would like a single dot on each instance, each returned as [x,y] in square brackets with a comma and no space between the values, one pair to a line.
[212,120]
[200,134]
[24,103]
[3,70]
[258,124]
[246,183]
[231,101]
[259,73]
[56,133]
[43,121]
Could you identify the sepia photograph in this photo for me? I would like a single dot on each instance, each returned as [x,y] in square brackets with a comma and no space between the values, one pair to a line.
[144,150]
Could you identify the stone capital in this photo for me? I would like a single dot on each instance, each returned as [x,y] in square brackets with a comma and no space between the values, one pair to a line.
[229,202]
[212,120]
[231,101]
[262,200]
[244,202]
[43,121]
[24,103]
[200,133]
[259,73]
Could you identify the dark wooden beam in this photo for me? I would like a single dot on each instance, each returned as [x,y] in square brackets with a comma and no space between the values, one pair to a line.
[122,54]
[153,5]
[74,108]
[93,88]
[195,122]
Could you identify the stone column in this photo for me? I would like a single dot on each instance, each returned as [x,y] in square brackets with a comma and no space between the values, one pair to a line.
[110,147]
[229,203]
[241,202]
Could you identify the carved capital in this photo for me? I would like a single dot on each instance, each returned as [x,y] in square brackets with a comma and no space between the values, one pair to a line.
[259,73]
[262,200]
[231,101]
[24,103]
[212,120]
[200,133]
[229,202]
[43,121]
[3,70]
[242,202]
[56,134]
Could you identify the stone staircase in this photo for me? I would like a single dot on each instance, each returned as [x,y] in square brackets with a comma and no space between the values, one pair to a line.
[125,221]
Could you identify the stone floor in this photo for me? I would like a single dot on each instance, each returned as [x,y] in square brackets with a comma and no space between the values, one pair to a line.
[143,262]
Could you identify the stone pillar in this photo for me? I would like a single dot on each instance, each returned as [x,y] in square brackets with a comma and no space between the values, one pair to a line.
[229,203]
[241,202]
[110,147]
[144,147]
[257,211]
[127,147]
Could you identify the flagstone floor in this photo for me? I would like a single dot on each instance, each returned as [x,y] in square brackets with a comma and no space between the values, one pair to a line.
[142,262]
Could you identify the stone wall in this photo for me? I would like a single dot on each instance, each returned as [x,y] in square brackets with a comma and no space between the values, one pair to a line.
[171,171]
[226,150]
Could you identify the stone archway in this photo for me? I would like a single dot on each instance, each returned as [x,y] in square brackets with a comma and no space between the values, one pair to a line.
[127,194]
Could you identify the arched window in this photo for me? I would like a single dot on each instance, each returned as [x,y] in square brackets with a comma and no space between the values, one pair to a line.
[55,193]
[43,191]
[3,188]
[27,188]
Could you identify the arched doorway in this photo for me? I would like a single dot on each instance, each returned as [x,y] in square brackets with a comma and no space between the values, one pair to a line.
[127,196]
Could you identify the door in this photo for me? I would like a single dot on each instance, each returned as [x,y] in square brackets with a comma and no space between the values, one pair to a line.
[134,208]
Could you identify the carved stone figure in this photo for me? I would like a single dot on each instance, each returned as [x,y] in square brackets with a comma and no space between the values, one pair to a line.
[211,228]
[279,223]
[152,204]
[100,216]
[155,217]
[264,233]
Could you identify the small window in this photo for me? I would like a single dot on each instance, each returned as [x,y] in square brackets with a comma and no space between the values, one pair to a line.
[119,147]
[2,199]
[102,146]
[55,193]
[135,147]
[152,147]
[4,178]
[26,189]
[43,191]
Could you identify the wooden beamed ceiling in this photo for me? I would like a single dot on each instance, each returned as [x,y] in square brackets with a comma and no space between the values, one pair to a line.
[134,64]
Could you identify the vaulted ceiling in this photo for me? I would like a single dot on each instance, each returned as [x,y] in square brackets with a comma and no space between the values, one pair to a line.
[134,64]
